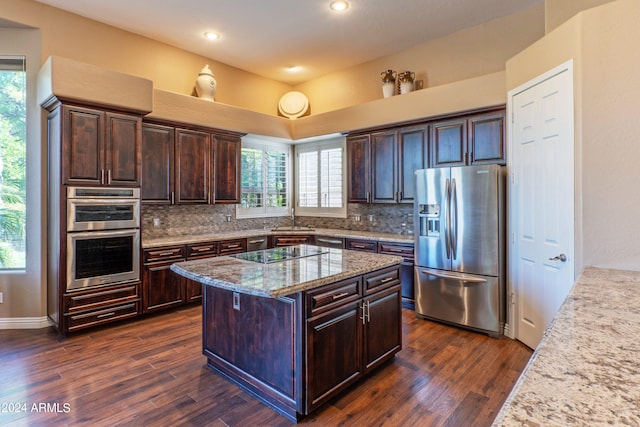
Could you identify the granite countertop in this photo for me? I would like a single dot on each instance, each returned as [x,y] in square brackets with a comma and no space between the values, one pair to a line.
[284,277]
[586,369]
[228,235]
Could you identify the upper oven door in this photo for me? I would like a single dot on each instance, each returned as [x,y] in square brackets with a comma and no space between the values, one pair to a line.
[102,214]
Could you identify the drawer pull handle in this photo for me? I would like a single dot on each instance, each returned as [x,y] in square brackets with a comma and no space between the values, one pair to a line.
[202,248]
[337,242]
[395,250]
[340,295]
[233,246]
[253,242]
[359,246]
[164,253]
[386,279]
[111,313]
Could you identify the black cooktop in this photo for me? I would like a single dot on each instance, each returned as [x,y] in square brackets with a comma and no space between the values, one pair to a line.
[268,256]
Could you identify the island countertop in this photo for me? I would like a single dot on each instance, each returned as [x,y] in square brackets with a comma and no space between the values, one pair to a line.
[277,279]
[586,369]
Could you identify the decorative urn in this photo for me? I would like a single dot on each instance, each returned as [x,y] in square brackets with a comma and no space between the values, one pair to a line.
[206,84]
[388,83]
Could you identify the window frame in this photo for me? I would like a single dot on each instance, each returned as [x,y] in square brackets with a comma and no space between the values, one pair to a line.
[318,146]
[265,143]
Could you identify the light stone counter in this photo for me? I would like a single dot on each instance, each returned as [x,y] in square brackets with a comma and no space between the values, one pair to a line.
[228,235]
[284,277]
[586,369]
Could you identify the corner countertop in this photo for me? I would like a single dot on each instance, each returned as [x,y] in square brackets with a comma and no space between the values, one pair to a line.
[229,235]
[586,369]
[283,278]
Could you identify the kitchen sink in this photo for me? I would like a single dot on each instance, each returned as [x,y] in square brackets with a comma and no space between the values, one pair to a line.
[293,228]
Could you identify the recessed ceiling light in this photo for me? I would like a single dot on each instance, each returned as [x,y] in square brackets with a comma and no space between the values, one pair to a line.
[294,68]
[339,6]
[211,36]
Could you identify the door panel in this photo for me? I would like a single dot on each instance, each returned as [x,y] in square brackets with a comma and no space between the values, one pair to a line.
[476,224]
[431,218]
[542,194]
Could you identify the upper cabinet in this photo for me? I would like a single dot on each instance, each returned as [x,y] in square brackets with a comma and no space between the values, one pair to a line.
[381,164]
[189,166]
[469,140]
[100,148]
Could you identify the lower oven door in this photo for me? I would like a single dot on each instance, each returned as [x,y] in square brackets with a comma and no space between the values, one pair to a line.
[100,258]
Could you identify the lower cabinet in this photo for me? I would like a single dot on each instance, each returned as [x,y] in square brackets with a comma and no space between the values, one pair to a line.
[406,251]
[162,288]
[348,328]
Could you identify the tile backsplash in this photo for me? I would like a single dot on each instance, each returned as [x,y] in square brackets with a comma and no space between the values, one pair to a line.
[178,220]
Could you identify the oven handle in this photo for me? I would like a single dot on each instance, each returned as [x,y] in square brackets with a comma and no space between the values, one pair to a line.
[104,233]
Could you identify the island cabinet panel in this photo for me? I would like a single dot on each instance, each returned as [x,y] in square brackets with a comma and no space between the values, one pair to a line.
[253,341]
[382,329]
[334,351]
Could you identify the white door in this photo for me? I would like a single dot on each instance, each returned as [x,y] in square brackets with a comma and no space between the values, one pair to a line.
[541,204]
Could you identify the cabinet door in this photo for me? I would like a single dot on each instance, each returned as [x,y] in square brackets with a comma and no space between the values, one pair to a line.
[383,330]
[384,163]
[449,143]
[162,287]
[359,169]
[157,164]
[226,169]
[82,146]
[334,353]
[122,150]
[192,166]
[486,139]
[413,155]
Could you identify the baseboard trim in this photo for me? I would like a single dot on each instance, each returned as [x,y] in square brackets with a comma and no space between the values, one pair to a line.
[25,323]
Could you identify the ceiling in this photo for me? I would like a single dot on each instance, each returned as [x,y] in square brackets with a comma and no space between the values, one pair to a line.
[267,36]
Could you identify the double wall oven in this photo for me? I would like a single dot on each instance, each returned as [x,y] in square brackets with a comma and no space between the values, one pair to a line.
[103,236]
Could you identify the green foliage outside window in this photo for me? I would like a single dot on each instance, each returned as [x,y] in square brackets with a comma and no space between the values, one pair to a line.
[12,169]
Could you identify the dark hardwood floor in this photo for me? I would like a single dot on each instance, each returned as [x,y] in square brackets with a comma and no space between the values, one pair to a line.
[151,372]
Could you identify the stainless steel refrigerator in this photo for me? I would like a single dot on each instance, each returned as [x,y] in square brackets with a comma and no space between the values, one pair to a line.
[460,243]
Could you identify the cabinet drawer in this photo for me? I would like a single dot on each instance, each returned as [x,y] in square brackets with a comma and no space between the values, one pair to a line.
[361,245]
[381,279]
[100,298]
[172,253]
[405,251]
[104,315]
[202,250]
[279,241]
[332,296]
[229,247]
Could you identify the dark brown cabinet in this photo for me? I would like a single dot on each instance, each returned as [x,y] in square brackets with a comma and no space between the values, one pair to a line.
[360,245]
[309,346]
[100,147]
[162,288]
[381,165]
[158,150]
[406,251]
[189,166]
[226,169]
[469,140]
[192,163]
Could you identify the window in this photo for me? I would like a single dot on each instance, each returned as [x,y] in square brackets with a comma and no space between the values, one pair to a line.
[320,178]
[13,133]
[265,189]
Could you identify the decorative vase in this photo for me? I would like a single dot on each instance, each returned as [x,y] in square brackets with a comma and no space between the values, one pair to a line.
[206,84]
[407,79]
[388,83]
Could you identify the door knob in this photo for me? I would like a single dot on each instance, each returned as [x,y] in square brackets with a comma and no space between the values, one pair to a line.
[561,258]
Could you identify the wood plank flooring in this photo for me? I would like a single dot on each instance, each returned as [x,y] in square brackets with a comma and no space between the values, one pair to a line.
[150,372]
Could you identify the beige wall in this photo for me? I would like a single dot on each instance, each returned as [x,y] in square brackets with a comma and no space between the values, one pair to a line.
[559,11]
[465,54]
[74,37]
[602,41]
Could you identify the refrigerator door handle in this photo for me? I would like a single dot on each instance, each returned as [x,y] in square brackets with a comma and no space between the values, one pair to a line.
[462,277]
[447,216]
[454,220]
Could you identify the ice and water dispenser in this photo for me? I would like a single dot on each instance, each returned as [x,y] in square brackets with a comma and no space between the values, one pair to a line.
[429,216]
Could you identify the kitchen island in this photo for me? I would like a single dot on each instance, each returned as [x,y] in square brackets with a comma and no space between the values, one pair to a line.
[295,326]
